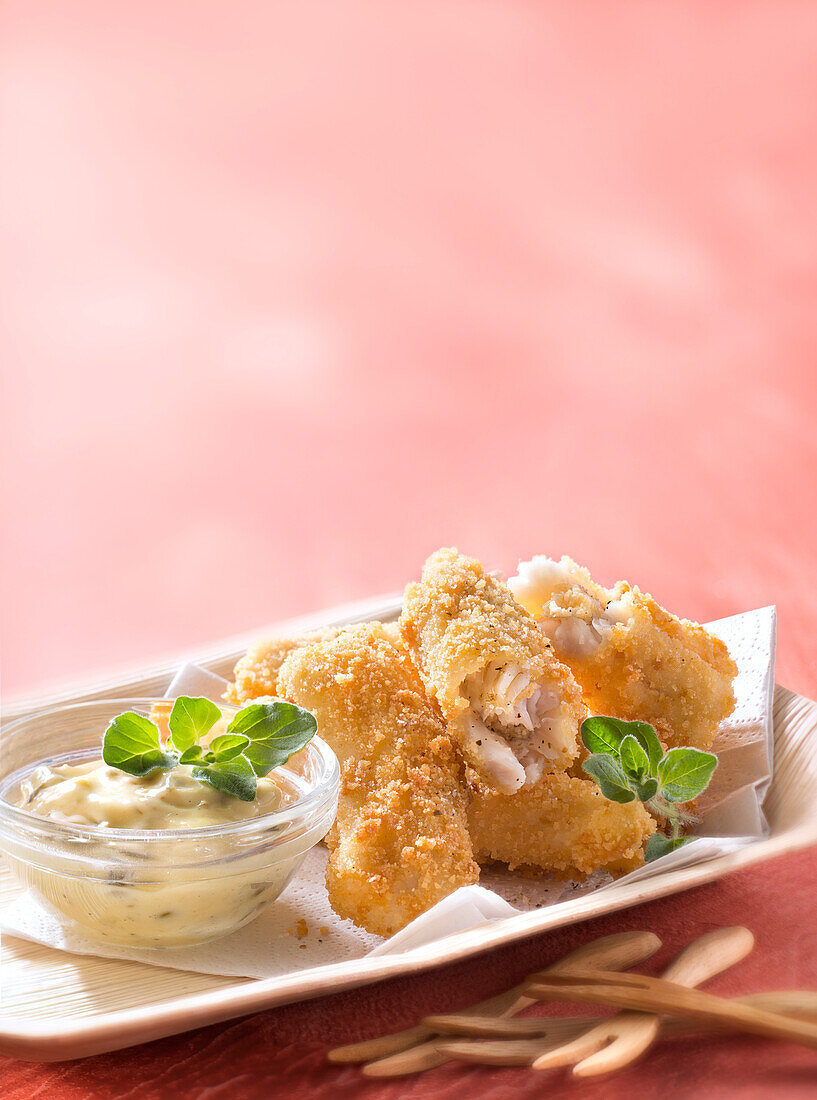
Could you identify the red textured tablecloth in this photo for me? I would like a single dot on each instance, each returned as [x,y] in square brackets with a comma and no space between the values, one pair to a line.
[297,293]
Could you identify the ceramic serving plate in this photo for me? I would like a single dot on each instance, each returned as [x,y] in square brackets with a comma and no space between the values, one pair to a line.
[56,1006]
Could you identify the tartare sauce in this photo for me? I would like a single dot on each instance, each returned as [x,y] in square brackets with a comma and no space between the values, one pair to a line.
[157,892]
[91,793]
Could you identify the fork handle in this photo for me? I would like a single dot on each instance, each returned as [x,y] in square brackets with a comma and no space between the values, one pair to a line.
[637,992]
[709,955]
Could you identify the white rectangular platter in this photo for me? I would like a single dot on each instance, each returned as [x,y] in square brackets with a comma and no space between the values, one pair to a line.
[56,1006]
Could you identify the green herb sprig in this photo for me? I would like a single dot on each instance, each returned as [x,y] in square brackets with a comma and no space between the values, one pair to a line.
[260,737]
[627,762]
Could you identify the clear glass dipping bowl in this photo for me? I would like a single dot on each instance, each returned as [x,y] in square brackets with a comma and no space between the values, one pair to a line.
[155,888]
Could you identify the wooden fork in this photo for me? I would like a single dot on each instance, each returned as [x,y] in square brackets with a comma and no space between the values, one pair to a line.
[619,1040]
[415,1049]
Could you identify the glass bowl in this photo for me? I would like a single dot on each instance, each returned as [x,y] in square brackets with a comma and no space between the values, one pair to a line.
[155,888]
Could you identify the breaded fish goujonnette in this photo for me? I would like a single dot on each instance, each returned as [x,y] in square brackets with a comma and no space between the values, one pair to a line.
[560,824]
[633,659]
[513,708]
[256,674]
[400,842]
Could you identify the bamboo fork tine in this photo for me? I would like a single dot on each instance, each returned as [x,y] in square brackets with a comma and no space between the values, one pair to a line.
[621,950]
[379,1047]
[499,1052]
[619,1040]
[640,993]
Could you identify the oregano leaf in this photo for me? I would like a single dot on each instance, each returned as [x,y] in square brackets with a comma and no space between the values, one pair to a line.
[659,845]
[275,731]
[235,777]
[190,719]
[132,744]
[608,773]
[634,760]
[684,773]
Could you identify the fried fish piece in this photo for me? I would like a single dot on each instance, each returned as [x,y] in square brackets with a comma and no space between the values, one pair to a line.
[256,674]
[400,842]
[633,659]
[560,825]
[512,707]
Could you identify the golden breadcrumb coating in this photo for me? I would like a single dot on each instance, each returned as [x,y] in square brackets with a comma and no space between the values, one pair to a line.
[631,657]
[561,824]
[400,842]
[474,646]
[256,674]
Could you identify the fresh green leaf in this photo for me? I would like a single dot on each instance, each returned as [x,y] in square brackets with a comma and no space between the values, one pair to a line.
[190,719]
[131,743]
[659,845]
[602,734]
[276,730]
[192,755]
[646,736]
[608,773]
[260,737]
[646,790]
[684,773]
[228,745]
[235,777]
[634,760]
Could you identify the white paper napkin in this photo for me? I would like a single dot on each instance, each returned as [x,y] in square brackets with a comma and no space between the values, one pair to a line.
[300,930]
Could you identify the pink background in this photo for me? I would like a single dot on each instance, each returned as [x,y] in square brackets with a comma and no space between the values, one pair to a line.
[295,293]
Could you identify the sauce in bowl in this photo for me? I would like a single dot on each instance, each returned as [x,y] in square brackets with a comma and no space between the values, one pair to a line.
[161,860]
[91,793]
